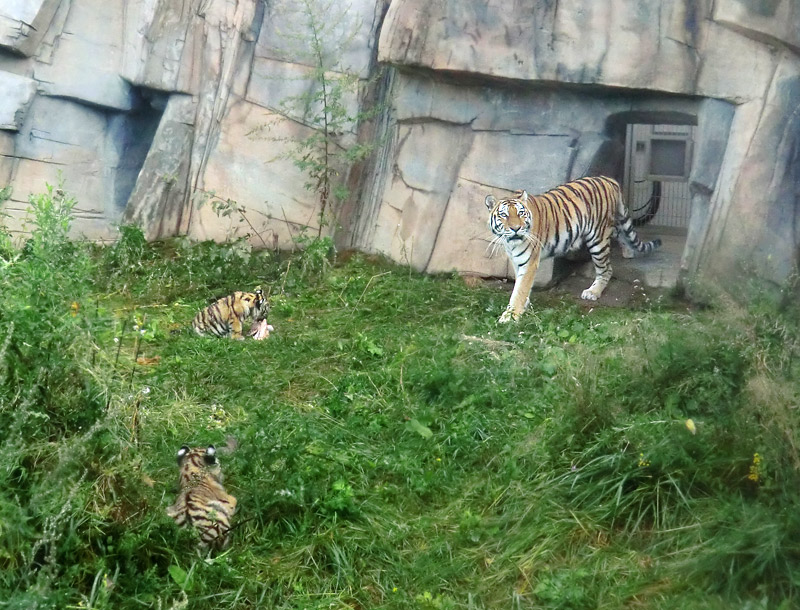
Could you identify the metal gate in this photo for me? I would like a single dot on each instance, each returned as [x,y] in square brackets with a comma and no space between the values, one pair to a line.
[658,159]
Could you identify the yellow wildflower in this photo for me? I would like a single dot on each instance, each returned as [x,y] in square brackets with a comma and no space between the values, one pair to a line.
[755,468]
[690,426]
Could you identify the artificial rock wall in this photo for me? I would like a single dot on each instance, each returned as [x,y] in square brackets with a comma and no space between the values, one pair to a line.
[149,109]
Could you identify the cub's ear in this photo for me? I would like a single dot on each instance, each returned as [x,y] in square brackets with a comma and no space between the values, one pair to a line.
[490,201]
[211,455]
[524,196]
[182,453]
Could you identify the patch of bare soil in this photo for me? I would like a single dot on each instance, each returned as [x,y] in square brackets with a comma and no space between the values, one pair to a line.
[619,292]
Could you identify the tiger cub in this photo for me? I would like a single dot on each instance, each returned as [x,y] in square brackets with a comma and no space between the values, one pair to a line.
[202,500]
[588,211]
[225,316]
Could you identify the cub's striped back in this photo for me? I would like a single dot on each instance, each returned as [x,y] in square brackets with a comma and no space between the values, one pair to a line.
[225,317]
[202,500]
[588,211]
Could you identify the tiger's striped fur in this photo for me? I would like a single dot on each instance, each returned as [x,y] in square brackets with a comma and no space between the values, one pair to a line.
[202,500]
[588,211]
[225,316]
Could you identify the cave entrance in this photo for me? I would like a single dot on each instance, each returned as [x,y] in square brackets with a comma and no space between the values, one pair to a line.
[133,133]
[658,160]
[655,170]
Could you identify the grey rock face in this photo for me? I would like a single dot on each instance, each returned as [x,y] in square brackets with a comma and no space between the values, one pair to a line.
[151,108]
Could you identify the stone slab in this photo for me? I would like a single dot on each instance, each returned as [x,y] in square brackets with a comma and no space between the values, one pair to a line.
[417,194]
[774,22]
[247,166]
[346,33]
[18,92]
[23,24]
[509,161]
[711,140]
[567,41]
[735,68]
[287,87]
[157,201]
[464,241]
[87,59]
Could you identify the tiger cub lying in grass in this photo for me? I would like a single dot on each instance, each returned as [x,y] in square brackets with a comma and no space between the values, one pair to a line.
[225,316]
[202,500]
[587,211]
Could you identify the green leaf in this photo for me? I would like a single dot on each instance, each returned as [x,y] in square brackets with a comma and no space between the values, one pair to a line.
[179,575]
[421,429]
[373,349]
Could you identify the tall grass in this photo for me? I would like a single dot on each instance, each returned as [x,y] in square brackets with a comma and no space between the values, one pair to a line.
[394,448]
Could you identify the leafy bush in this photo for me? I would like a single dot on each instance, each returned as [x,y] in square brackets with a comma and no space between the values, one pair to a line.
[43,318]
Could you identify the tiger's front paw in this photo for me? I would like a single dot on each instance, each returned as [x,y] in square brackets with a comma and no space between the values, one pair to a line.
[588,295]
[508,316]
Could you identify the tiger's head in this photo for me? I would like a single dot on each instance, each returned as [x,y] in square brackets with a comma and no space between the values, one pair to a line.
[510,218]
[260,305]
[198,463]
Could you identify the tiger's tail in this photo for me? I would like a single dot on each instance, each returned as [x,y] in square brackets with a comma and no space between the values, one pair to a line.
[628,234]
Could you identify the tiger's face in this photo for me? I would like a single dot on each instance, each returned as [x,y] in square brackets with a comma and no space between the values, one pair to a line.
[254,301]
[510,218]
[198,463]
[260,305]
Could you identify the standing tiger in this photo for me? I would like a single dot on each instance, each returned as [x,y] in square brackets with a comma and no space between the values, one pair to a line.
[225,316]
[202,500]
[586,211]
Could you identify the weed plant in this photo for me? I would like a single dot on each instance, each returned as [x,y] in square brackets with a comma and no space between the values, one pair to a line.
[390,446]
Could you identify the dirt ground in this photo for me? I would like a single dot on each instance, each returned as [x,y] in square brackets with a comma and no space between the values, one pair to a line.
[620,292]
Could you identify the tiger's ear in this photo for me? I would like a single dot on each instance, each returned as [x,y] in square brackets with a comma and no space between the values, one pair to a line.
[524,196]
[211,454]
[182,453]
[490,201]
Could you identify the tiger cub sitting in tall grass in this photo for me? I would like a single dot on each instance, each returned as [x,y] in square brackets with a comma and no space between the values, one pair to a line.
[588,211]
[202,500]
[225,317]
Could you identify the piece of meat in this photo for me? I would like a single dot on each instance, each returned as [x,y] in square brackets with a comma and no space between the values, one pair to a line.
[260,330]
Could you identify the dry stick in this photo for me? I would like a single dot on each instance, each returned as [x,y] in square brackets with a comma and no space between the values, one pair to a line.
[116,359]
[250,224]
[96,314]
[134,425]
[136,353]
[288,226]
[285,275]
[352,311]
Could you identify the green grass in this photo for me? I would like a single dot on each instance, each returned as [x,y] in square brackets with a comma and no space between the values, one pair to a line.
[394,447]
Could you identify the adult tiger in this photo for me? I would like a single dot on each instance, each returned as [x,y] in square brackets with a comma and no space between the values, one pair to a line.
[586,211]
[202,500]
[225,316]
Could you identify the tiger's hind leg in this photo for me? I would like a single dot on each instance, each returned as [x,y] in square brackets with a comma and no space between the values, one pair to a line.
[600,251]
[627,251]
